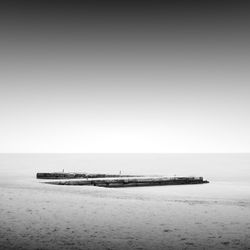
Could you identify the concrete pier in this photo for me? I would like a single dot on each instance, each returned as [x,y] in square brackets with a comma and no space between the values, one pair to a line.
[134,182]
[62,175]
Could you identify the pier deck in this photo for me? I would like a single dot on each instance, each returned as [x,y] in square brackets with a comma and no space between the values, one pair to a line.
[132,182]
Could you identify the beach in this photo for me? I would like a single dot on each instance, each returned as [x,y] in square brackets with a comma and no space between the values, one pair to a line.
[35,215]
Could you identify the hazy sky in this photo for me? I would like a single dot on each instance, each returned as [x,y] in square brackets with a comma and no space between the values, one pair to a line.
[122,77]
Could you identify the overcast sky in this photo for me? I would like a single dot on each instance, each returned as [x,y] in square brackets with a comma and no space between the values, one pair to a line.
[119,77]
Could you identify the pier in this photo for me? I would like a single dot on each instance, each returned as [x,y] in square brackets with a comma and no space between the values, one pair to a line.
[62,175]
[111,181]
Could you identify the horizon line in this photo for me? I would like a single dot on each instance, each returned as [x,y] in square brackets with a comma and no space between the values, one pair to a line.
[1,153]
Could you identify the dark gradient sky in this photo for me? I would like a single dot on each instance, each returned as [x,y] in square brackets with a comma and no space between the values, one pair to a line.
[106,76]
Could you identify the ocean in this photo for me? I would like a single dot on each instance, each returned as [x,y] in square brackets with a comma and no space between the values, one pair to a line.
[215,167]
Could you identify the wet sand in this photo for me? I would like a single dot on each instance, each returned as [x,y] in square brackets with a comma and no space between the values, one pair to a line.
[39,216]
[34,215]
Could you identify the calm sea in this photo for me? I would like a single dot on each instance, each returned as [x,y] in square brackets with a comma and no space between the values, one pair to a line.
[229,174]
[214,167]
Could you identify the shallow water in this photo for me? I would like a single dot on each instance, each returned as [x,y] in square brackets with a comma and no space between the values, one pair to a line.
[229,174]
[215,167]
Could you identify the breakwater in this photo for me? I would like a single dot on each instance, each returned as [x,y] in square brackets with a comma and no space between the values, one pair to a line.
[62,175]
[133,182]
